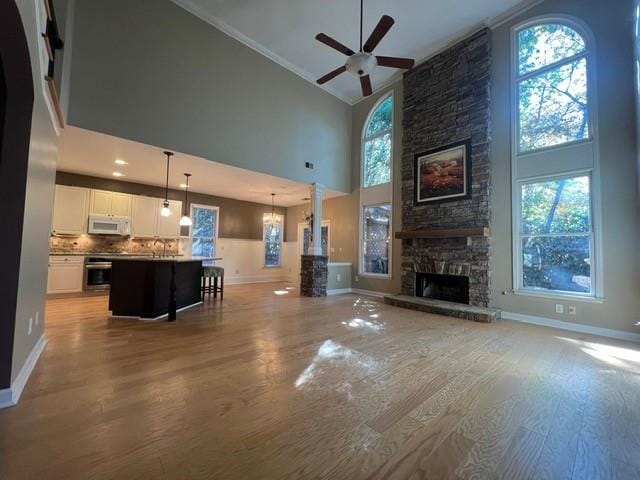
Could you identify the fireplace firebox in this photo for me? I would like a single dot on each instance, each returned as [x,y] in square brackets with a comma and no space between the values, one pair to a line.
[449,288]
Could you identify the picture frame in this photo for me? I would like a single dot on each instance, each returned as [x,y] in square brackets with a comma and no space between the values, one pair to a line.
[443,174]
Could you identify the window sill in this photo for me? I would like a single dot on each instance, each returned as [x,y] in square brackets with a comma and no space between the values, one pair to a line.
[560,296]
[272,266]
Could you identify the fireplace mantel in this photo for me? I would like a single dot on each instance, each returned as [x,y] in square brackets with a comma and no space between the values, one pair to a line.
[445,233]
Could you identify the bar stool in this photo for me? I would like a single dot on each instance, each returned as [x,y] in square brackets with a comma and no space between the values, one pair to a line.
[217,274]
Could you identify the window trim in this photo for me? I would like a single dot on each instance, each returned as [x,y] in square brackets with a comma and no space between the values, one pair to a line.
[364,139]
[217,232]
[594,256]
[517,78]
[581,27]
[264,240]
[303,225]
[361,252]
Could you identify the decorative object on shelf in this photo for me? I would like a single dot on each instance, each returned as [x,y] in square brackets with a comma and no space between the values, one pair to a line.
[308,219]
[185,221]
[443,174]
[52,43]
[165,211]
[363,63]
[272,218]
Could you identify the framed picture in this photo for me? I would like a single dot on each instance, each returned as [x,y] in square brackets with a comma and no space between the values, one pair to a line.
[443,174]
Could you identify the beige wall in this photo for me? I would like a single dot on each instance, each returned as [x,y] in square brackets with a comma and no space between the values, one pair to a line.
[149,71]
[612,26]
[38,209]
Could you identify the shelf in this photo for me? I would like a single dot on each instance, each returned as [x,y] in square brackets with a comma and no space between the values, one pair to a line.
[445,233]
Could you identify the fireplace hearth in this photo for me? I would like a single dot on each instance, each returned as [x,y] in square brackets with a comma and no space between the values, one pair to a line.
[449,288]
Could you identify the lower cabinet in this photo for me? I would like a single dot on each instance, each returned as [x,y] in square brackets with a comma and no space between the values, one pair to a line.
[66,274]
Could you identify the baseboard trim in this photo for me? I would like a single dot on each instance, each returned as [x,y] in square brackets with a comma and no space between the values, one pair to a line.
[338,291]
[371,293]
[254,279]
[572,327]
[10,396]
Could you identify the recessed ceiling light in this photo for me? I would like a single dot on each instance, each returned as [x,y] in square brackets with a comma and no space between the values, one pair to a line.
[118,174]
[121,162]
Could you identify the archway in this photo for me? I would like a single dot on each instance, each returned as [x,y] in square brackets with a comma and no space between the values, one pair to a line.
[16,109]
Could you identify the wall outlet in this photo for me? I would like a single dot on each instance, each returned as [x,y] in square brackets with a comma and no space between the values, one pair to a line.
[333,250]
[357,278]
[30,325]
[338,277]
[559,308]
[572,310]
[37,318]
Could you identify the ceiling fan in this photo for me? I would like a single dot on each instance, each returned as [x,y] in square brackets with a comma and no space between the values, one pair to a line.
[362,63]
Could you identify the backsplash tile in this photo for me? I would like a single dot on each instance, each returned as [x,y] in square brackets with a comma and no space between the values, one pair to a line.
[108,244]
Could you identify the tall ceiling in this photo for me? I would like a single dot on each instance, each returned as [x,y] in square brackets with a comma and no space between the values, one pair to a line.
[284,30]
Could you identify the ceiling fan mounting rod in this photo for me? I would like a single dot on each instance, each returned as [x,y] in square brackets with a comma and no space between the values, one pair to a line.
[361,16]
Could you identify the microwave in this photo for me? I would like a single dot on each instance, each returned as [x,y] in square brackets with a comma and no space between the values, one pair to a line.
[109,225]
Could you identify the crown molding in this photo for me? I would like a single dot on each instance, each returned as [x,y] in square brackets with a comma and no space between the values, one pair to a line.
[491,23]
[205,16]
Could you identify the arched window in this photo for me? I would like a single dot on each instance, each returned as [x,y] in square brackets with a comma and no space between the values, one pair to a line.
[377,145]
[555,189]
[553,104]
[376,194]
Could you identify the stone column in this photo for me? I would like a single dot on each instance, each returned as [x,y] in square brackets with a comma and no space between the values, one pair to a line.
[313,267]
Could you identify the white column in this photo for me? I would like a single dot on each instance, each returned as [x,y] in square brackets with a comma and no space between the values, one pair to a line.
[315,248]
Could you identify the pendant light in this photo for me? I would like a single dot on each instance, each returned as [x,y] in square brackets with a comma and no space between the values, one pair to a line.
[185,221]
[272,218]
[165,211]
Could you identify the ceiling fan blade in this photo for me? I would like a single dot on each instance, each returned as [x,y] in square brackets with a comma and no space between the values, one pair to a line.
[331,75]
[396,62]
[385,23]
[327,40]
[365,82]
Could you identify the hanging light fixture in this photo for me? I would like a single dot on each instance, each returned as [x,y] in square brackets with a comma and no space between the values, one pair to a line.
[165,211]
[185,221]
[273,218]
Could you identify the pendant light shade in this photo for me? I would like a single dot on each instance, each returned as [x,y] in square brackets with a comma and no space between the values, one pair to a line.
[185,221]
[165,211]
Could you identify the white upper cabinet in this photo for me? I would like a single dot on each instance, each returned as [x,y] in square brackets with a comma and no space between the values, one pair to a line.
[110,203]
[70,210]
[169,227]
[144,217]
[121,204]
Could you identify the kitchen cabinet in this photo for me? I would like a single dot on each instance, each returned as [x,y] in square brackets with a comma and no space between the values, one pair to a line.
[169,227]
[70,210]
[66,274]
[110,203]
[144,217]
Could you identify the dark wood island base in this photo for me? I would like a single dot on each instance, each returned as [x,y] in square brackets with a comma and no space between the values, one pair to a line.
[146,287]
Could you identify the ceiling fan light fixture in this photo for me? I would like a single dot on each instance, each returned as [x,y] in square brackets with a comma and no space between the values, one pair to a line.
[361,64]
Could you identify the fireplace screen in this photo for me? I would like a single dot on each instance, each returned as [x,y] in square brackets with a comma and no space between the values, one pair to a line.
[450,288]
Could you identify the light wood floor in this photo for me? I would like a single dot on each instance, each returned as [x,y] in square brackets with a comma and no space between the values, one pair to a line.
[273,386]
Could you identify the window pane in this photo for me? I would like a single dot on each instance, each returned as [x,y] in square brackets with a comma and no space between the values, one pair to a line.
[557,206]
[201,247]
[382,118]
[546,44]
[324,238]
[553,107]
[272,244]
[557,263]
[377,160]
[204,222]
[376,231]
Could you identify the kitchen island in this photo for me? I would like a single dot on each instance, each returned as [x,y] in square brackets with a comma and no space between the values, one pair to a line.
[152,288]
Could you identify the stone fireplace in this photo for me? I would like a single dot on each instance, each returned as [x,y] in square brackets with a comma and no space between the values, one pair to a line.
[446,246]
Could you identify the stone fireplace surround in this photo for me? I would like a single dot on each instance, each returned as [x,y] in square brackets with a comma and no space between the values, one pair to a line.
[446,100]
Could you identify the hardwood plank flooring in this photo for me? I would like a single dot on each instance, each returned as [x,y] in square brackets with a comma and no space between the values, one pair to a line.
[268,385]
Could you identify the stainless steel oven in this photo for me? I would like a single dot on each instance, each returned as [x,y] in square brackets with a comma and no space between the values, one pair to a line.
[97,273]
